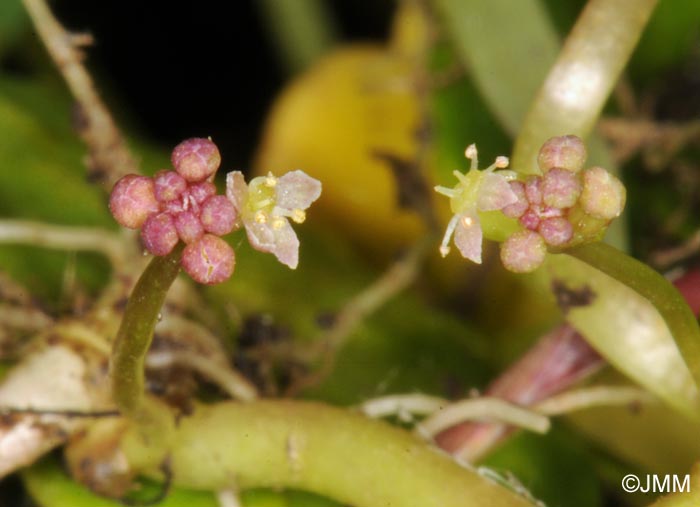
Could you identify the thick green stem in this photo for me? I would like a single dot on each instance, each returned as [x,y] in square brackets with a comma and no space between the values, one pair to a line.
[304,445]
[656,289]
[580,82]
[136,331]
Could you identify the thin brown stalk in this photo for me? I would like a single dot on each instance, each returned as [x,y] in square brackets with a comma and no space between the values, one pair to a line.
[109,158]
[63,237]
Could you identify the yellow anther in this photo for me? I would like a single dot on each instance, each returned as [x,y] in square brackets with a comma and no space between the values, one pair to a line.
[261,217]
[298,215]
[467,221]
[270,180]
[470,152]
[502,162]
[277,223]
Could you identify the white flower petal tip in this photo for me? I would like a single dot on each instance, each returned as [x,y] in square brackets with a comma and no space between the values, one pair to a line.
[468,237]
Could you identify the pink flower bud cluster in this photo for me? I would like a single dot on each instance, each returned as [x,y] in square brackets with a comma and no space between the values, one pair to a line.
[181,205]
[564,206]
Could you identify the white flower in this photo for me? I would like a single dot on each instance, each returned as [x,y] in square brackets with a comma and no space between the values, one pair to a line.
[476,191]
[265,205]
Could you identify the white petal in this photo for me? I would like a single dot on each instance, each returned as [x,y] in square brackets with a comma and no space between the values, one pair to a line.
[282,242]
[468,236]
[297,190]
[260,236]
[287,246]
[236,190]
[495,193]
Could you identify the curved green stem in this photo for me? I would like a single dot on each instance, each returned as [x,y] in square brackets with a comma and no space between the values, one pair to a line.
[315,447]
[656,289]
[580,82]
[136,331]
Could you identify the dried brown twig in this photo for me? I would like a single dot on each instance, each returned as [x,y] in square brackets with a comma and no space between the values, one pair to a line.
[109,158]
[64,237]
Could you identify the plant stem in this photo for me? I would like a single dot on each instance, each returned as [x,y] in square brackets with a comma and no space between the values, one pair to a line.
[64,237]
[314,447]
[136,331]
[656,289]
[580,82]
[109,158]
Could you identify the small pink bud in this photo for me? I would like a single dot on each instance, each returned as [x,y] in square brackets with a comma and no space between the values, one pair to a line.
[196,159]
[523,252]
[603,195]
[533,189]
[209,260]
[169,185]
[560,188]
[530,219]
[564,152]
[174,207]
[188,226]
[159,234]
[516,209]
[218,215]
[132,200]
[202,191]
[556,231]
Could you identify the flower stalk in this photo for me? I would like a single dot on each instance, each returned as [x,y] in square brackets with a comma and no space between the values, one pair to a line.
[136,331]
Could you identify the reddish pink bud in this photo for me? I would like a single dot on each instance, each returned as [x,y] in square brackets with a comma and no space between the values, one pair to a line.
[556,231]
[218,215]
[188,226]
[516,209]
[132,200]
[533,190]
[196,159]
[209,260]
[159,234]
[523,252]
[174,207]
[169,185]
[560,188]
[530,219]
[549,212]
[202,191]
[564,152]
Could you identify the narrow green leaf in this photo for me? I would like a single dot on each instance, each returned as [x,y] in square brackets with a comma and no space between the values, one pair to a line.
[634,317]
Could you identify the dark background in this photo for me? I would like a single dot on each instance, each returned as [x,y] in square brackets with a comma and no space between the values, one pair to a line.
[205,68]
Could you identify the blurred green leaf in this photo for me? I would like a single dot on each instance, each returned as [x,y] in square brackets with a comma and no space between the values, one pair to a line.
[622,314]
[671,36]
[13,21]
[633,434]
[49,486]
[554,468]
[43,178]
[508,48]
[460,117]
